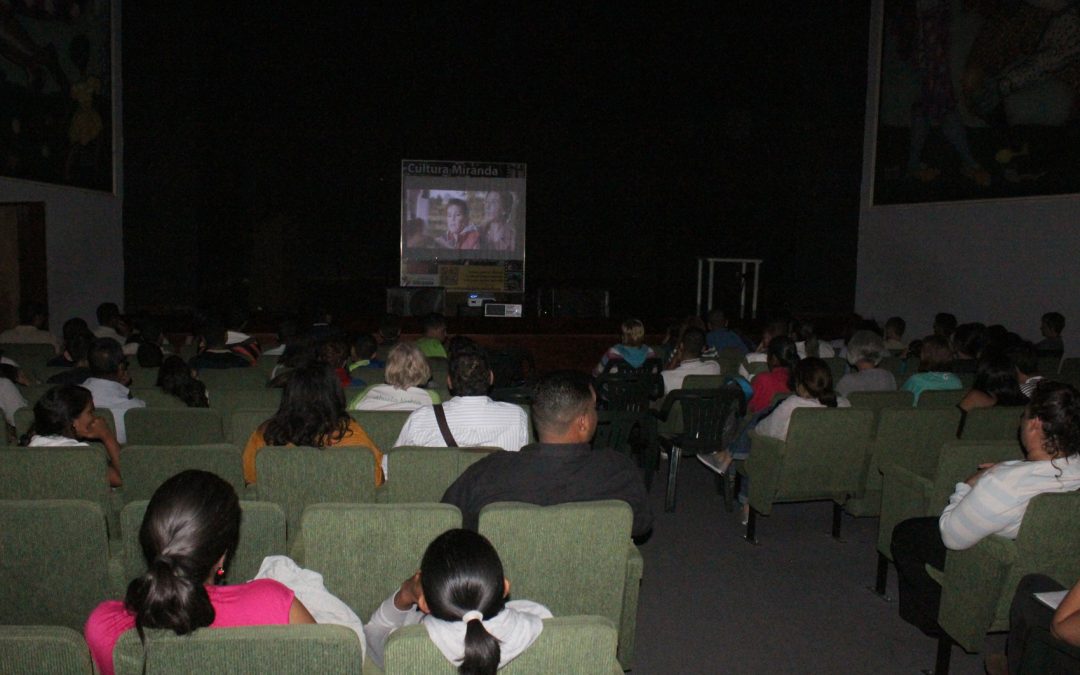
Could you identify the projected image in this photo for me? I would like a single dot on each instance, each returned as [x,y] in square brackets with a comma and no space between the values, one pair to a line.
[460,220]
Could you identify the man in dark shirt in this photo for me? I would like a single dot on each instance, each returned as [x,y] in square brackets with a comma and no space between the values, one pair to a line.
[561,467]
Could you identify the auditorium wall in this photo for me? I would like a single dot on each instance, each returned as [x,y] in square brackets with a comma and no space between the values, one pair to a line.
[996,261]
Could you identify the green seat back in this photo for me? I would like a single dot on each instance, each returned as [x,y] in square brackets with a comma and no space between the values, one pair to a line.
[28,356]
[958,460]
[703,382]
[1049,365]
[232,378]
[423,474]
[54,557]
[755,367]
[145,467]
[174,426]
[32,392]
[244,421]
[365,551]
[837,366]
[156,398]
[895,365]
[74,472]
[328,649]
[912,437]
[295,477]
[878,400]
[940,398]
[383,426]
[44,650]
[262,533]
[992,424]
[569,645]
[228,401]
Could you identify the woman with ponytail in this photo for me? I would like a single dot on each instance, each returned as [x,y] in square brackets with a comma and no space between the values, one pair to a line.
[459,595]
[813,386]
[188,535]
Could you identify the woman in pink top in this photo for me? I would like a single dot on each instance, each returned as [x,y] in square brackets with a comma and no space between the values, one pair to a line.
[188,535]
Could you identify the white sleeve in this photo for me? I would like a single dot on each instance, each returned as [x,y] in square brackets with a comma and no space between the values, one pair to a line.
[976,512]
[386,619]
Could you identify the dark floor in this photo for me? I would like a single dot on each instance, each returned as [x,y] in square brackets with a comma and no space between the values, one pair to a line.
[799,601]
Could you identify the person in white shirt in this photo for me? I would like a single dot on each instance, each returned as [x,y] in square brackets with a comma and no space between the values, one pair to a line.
[109,380]
[813,389]
[775,328]
[688,356]
[64,416]
[472,418]
[992,501]
[808,344]
[459,596]
[33,317]
[406,369]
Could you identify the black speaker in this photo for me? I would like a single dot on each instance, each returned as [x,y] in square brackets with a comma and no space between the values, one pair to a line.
[414,301]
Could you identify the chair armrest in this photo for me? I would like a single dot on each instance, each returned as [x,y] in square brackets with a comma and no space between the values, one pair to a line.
[904,494]
[972,589]
[635,568]
[764,467]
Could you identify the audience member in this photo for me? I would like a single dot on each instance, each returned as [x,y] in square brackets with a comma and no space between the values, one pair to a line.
[631,351]
[460,595]
[992,501]
[470,418]
[110,323]
[11,399]
[995,384]
[149,355]
[894,334]
[388,333]
[934,358]
[1029,615]
[1026,361]
[32,328]
[176,378]
[777,327]
[1051,327]
[362,354]
[237,340]
[188,537]
[108,382]
[406,370]
[968,343]
[782,358]
[689,361]
[333,350]
[286,332]
[431,343]
[214,353]
[865,351]
[720,337]
[808,344]
[813,389]
[78,352]
[72,327]
[561,467]
[64,416]
[945,326]
[312,413]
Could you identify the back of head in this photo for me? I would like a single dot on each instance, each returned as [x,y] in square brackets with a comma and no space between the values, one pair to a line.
[149,355]
[935,355]
[312,410]
[716,319]
[174,377]
[365,346]
[461,573]
[470,373]
[944,324]
[970,339]
[1057,406]
[632,333]
[214,335]
[895,326]
[434,323]
[808,336]
[32,312]
[1026,359]
[192,520]
[693,342]
[559,398]
[866,346]
[1055,321]
[55,411]
[334,351]
[105,358]
[406,366]
[776,328]
[78,347]
[996,376]
[74,326]
[107,313]
[782,352]
[390,327]
[813,375]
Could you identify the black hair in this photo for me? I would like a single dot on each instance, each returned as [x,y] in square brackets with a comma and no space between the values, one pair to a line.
[459,343]
[175,378]
[149,355]
[333,350]
[105,357]
[214,334]
[693,341]
[433,321]
[30,310]
[312,410]
[996,376]
[1057,406]
[470,374]
[944,324]
[816,378]
[782,352]
[970,339]
[896,325]
[461,572]
[74,326]
[390,326]
[107,313]
[558,399]
[1054,321]
[809,338]
[56,410]
[1026,358]
[934,354]
[365,346]
[192,520]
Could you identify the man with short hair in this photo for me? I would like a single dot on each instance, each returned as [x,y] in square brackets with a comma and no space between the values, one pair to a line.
[110,323]
[108,382]
[33,318]
[690,361]
[562,467]
[720,336]
[1051,326]
[431,344]
[472,419]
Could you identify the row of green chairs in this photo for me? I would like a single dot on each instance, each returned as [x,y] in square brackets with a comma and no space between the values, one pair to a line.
[574,558]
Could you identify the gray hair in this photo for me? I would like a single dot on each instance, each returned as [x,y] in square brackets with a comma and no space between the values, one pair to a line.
[866,345]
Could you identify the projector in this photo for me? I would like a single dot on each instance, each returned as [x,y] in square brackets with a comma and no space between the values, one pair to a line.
[477,300]
[502,309]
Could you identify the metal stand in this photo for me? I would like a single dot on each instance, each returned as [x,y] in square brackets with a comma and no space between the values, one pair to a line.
[743,263]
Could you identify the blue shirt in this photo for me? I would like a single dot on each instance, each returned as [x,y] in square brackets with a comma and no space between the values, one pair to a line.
[723,338]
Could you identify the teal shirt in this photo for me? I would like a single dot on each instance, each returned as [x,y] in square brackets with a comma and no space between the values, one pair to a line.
[920,382]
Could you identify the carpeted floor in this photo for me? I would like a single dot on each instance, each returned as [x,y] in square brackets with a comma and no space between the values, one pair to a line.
[798,602]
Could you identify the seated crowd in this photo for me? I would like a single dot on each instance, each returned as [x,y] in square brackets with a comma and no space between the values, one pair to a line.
[460,593]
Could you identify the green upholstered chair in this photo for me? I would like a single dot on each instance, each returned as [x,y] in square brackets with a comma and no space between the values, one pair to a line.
[44,650]
[216,379]
[244,421]
[174,426]
[825,457]
[422,474]
[940,398]
[295,477]
[709,421]
[145,467]
[978,583]
[262,533]
[895,365]
[574,558]
[24,419]
[879,400]
[252,650]
[383,426]
[32,392]
[915,488]
[28,356]
[41,374]
[365,551]
[902,435]
[992,424]
[1049,365]
[54,561]
[837,366]
[569,645]
[72,472]
[227,401]
[754,367]
[156,398]
[729,359]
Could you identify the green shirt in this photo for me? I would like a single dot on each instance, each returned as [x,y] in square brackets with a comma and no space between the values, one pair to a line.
[431,347]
